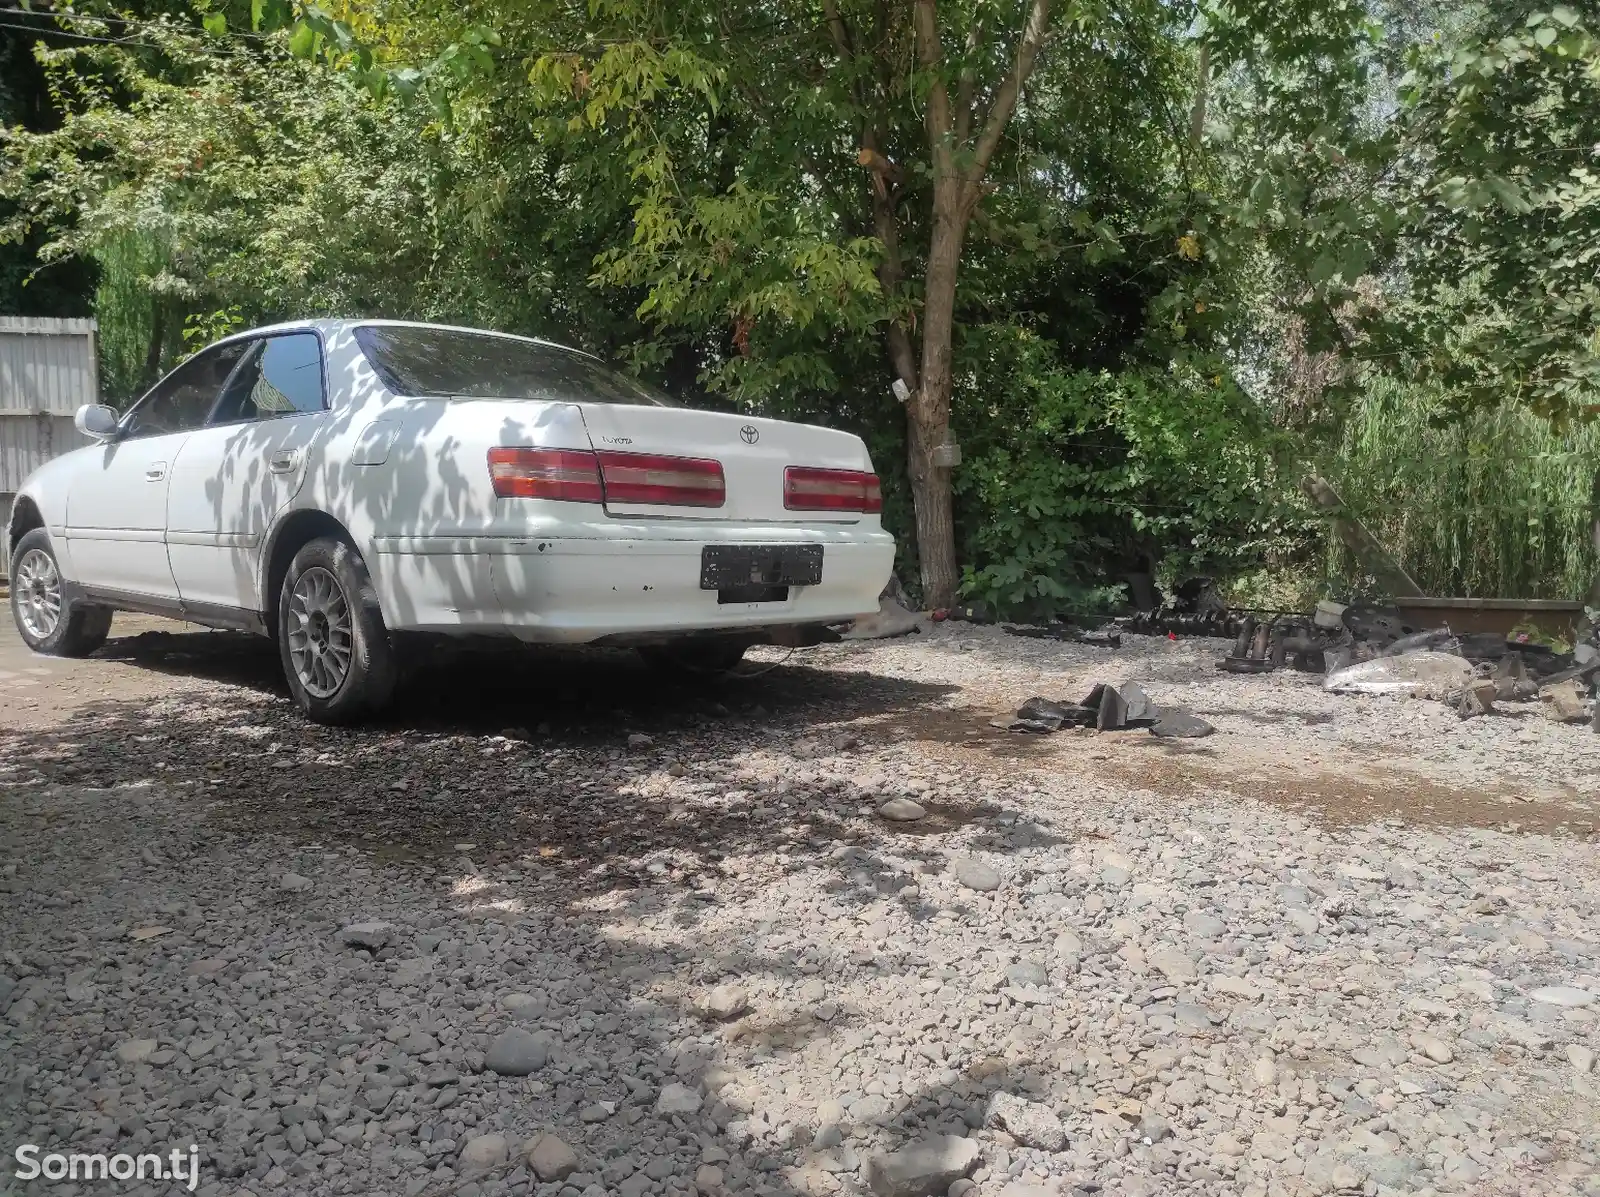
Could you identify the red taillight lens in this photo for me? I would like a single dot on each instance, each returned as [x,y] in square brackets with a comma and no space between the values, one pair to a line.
[584,477]
[667,481]
[806,488]
[570,474]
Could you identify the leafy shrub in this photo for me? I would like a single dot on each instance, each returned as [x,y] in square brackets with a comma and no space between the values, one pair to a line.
[1074,478]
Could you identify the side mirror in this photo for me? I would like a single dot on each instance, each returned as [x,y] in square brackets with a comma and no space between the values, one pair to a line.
[97,420]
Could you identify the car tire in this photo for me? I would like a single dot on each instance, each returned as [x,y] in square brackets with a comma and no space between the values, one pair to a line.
[337,657]
[46,619]
[708,657]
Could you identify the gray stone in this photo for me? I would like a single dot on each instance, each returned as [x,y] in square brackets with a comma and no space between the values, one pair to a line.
[1154,1128]
[1026,972]
[1116,876]
[677,1099]
[1302,921]
[294,883]
[638,740]
[974,874]
[725,1002]
[525,1005]
[1435,1049]
[1178,724]
[902,810]
[1581,1058]
[136,1051]
[1028,1122]
[550,1158]
[1192,1015]
[370,936]
[1175,966]
[484,1152]
[708,1178]
[1395,1171]
[1203,924]
[516,1053]
[828,1135]
[922,1169]
[1183,1092]
[1562,995]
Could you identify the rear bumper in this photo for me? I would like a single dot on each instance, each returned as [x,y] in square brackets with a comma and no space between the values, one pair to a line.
[574,590]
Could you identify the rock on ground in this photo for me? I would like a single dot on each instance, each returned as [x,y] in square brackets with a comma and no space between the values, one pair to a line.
[930,1166]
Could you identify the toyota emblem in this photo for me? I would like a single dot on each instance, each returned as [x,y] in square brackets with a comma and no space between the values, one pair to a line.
[749,435]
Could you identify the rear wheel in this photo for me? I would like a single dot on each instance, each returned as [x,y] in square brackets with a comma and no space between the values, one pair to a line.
[708,656]
[336,653]
[47,622]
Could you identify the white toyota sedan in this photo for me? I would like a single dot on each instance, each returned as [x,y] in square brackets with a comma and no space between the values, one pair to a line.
[340,484]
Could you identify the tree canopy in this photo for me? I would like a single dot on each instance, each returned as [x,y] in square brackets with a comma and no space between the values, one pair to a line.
[1127,262]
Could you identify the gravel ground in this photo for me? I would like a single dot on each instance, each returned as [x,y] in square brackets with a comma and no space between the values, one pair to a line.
[558,928]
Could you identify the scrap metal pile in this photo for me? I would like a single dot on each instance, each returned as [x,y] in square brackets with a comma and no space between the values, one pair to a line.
[1107,708]
[1369,649]
[1360,648]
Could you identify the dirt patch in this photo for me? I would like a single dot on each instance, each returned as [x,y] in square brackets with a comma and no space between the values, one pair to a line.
[1349,792]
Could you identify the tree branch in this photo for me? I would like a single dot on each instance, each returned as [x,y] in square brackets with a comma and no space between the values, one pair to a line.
[931,58]
[1005,100]
[969,80]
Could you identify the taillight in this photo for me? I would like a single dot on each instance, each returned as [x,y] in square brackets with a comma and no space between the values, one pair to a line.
[807,488]
[570,474]
[668,481]
[581,476]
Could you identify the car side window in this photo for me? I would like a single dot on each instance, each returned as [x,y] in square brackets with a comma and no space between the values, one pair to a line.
[281,376]
[182,400]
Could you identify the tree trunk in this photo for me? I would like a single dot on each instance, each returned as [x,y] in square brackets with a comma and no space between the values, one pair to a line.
[154,347]
[928,412]
[1363,545]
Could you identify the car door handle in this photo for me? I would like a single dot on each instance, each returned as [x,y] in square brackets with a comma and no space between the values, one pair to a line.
[283,461]
[155,471]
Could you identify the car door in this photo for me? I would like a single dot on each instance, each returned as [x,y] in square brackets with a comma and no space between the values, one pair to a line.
[117,504]
[232,478]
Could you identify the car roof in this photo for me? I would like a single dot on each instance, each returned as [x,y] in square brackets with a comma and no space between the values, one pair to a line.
[328,326]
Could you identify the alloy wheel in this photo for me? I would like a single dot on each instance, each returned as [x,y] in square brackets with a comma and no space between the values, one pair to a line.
[321,633]
[38,586]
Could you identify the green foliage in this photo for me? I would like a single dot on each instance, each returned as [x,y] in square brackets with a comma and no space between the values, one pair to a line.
[1077,477]
[681,188]
[1497,504]
[1501,201]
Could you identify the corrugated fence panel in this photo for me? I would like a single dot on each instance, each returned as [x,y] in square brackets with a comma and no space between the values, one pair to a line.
[46,365]
[27,442]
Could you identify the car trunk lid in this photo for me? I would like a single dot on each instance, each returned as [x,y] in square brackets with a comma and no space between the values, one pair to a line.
[753,453]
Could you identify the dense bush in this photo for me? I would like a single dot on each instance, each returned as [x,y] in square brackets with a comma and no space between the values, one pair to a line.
[1075,478]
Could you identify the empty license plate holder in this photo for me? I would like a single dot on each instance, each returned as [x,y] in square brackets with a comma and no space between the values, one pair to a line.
[727,565]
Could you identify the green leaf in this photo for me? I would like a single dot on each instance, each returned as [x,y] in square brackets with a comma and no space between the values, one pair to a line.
[215,23]
[303,41]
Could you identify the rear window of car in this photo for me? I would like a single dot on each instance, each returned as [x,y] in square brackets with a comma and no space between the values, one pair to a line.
[470,365]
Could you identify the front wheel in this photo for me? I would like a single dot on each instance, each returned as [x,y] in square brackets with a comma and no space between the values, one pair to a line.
[336,653]
[47,622]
